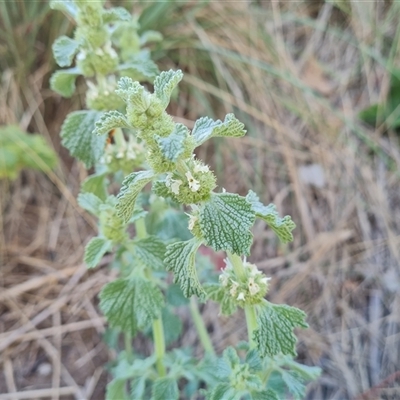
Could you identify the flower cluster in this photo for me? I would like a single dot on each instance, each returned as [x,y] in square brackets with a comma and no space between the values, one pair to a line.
[125,156]
[192,186]
[249,290]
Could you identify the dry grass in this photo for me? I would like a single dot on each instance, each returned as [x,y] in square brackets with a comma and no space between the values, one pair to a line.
[297,73]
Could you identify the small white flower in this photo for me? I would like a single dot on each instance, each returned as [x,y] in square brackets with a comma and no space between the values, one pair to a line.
[201,168]
[81,55]
[233,289]
[240,296]
[168,180]
[253,269]
[253,287]
[265,280]
[194,184]
[192,221]
[175,183]
[223,278]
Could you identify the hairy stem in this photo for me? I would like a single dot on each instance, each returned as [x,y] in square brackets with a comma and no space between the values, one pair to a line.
[250,311]
[201,329]
[128,346]
[158,328]
[159,345]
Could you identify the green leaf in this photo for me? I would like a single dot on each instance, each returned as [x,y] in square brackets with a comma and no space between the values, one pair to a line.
[172,326]
[165,389]
[110,120]
[281,226]
[78,137]
[294,383]
[267,394]
[224,391]
[139,69]
[116,390]
[64,50]
[218,294]
[138,386]
[275,329]
[116,14]
[96,185]
[90,202]
[180,258]
[133,93]
[132,185]
[175,296]
[95,250]
[305,371]
[225,223]
[63,81]
[205,128]
[131,304]
[173,145]
[151,252]
[254,360]
[67,6]
[165,83]
[150,36]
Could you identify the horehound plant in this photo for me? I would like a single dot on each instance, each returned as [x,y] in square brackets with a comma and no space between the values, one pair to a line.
[148,147]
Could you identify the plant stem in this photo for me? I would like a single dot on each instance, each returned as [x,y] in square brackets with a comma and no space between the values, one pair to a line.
[159,345]
[249,310]
[201,329]
[119,137]
[140,226]
[158,328]
[251,320]
[128,346]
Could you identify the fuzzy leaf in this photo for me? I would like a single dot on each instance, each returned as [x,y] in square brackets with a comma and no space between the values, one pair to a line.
[145,69]
[224,391]
[64,50]
[116,390]
[180,259]
[281,226]
[95,250]
[132,185]
[165,389]
[205,128]
[110,120]
[138,386]
[133,93]
[151,252]
[95,184]
[295,384]
[89,202]
[275,329]
[63,81]
[267,394]
[172,146]
[225,223]
[172,326]
[131,304]
[116,14]
[77,136]
[67,6]
[218,294]
[150,36]
[165,83]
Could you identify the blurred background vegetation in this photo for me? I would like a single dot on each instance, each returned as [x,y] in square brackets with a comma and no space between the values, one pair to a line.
[317,84]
